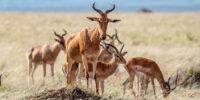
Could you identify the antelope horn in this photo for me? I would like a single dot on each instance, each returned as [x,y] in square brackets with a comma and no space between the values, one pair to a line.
[122,48]
[111,46]
[57,34]
[97,10]
[64,33]
[116,34]
[108,35]
[119,40]
[113,7]
[176,81]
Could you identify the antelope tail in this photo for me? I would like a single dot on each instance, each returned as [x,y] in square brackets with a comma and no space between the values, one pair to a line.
[29,59]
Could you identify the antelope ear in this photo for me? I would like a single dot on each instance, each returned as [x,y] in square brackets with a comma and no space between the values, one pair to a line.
[92,18]
[56,40]
[124,53]
[114,20]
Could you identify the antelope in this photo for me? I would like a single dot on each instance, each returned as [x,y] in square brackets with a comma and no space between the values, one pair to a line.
[85,44]
[104,56]
[45,54]
[151,69]
[104,69]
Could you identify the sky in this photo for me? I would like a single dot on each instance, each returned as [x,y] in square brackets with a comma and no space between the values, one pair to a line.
[85,5]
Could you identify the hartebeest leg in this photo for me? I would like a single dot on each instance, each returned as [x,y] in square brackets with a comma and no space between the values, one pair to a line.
[102,86]
[80,70]
[30,67]
[69,64]
[94,65]
[97,85]
[44,71]
[85,64]
[32,72]
[52,70]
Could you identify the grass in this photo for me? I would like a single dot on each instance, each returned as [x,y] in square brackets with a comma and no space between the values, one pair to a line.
[171,39]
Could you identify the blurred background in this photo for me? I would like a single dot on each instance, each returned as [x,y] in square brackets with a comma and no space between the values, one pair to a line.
[83,5]
[169,36]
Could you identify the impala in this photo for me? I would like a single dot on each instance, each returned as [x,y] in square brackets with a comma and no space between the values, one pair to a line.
[150,69]
[85,44]
[45,54]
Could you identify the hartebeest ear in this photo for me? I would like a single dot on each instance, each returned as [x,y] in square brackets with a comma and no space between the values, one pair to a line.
[93,18]
[114,20]
[56,40]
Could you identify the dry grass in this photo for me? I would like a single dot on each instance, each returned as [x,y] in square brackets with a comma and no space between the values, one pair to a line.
[171,39]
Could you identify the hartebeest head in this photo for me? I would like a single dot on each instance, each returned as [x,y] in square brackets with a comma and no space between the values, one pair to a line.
[103,20]
[61,39]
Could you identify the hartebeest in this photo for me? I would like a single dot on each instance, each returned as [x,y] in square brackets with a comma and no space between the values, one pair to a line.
[86,44]
[104,69]
[152,70]
[45,54]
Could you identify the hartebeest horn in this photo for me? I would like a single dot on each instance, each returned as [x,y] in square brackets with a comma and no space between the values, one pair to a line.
[64,33]
[57,34]
[97,10]
[113,7]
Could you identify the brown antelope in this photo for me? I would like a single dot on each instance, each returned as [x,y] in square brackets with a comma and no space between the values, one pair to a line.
[104,69]
[150,69]
[104,56]
[45,54]
[85,44]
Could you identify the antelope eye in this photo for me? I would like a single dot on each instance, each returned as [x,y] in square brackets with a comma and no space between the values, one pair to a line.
[117,56]
[62,43]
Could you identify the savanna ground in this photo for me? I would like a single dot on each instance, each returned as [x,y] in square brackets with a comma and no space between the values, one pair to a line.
[171,39]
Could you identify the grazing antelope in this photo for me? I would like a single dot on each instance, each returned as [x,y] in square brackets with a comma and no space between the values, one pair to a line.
[45,54]
[150,69]
[104,69]
[85,44]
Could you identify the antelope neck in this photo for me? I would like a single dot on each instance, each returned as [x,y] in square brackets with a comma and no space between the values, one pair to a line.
[95,36]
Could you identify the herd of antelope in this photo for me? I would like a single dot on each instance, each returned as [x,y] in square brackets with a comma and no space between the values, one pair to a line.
[92,54]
